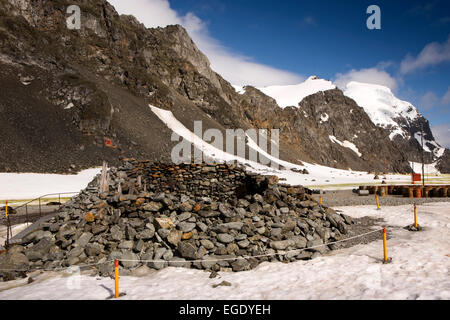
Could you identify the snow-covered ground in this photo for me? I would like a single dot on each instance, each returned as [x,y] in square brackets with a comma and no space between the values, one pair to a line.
[32,185]
[429,168]
[420,269]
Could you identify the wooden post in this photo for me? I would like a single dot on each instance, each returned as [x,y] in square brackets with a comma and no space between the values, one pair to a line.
[7,225]
[116,274]
[385,246]
[103,183]
[415,216]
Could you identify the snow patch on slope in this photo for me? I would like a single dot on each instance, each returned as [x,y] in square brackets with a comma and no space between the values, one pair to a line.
[239,89]
[318,174]
[292,95]
[346,144]
[324,117]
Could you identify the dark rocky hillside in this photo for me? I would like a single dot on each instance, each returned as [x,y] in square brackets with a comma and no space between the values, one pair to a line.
[74,98]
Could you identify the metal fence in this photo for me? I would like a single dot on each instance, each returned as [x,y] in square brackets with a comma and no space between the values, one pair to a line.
[28,212]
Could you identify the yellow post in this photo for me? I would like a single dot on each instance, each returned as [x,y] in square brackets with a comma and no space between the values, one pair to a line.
[320,200]
[6,210]
[415,216]
[378,202]
[384,245]
[116,273]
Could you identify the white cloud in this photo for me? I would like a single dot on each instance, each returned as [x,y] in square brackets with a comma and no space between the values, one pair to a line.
[236,68]
[446,97]
[370,75]
[442,134]
[429,100]
[432,54]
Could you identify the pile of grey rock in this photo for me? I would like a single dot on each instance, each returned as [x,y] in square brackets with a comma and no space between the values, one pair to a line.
[213,217]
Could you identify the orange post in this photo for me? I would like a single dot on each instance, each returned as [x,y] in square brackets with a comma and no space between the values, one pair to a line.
[320,200]
[415,215]
[385,246]
[116,273]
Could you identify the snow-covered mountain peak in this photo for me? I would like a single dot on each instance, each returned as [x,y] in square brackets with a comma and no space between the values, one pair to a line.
[382,106]
[292,95]
[400,117]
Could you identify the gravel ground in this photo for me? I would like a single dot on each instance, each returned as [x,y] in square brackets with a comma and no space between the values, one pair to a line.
[361,226]
[342,198]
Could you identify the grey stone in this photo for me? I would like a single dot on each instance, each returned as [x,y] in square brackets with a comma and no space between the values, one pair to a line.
[242,203]
[129,244]
[129,255]
[282,245]
[168,255]
[146,234]
[240,265]
[316,245]
[84,239]
[186,226]
[261,230]
[284,210]
[75,252]
[130,233]
[153,206]
[139,246]
[208,214]
[116,233]
[256,219]
[226,211]
[209,262]
[94,249]
[275,232]
[36,236]
[232,225]
[184,216]
[98,228]
[299,241]
[202,226]
[225,238]
[178,262]
[142,271]
[174,237]
[243,244]
[187,249]
[240,237]
[186,206]
[255,208]
[207,244]
[163,233]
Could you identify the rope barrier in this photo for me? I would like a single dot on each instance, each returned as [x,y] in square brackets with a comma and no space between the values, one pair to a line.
[59,268]
[201,260]
[256,256]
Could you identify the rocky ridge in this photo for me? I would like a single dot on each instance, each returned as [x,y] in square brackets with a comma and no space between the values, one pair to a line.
[196,216]
[81,96]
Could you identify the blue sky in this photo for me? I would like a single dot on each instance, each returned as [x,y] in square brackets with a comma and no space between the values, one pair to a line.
[285,41]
